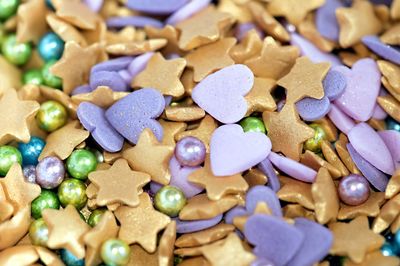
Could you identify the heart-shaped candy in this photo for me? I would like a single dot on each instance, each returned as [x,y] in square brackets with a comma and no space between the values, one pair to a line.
[159,7]
[334,84]
[108,78]
[137,111]
[311,109]
[113,64]
[179,175]
[232,151]
[222,94]
[263,194]
[326,21]
[273,181]
[93,119]
[363,84]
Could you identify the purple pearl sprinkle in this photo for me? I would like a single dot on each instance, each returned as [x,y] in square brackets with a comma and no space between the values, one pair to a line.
[30,173]
[50,172]
[353,189]
[190,151]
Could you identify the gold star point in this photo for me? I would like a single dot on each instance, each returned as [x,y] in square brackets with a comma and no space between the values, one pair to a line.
[171,129]
[249,47]
[77,13]
[169,33]
[31,21]
[102,96]
[370,208]
[375,258]
[295,191]
[259,99]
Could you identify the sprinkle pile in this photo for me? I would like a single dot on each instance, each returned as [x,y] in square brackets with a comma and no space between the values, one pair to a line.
[199,132]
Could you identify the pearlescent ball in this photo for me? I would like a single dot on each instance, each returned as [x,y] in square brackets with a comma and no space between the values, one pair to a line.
[169,200]
[30,173]
[253,124]
[388,249]
[69,259]
[80,163]
[115,252]
[8,8]
[392,124]
[51,47]
[353,189]
[46,200]
[51,116]
[33,76]
[16,53]
[72,191]
[50,79]
[8,156]
[50,172]
[190,151]
[95,217]
[39,232]
[31,151]
[314,144]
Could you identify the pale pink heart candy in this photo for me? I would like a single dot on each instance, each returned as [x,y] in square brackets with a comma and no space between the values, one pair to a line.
[363,84]
[340,119]
[232,151]
[371,147]
[392,141]
[221,94]
[293,168]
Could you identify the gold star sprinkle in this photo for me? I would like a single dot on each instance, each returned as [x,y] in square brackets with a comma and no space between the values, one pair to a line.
[238,10]
[393,186]
[75,64]
[66,31]
[166,245]
[255,177]
[294,191]
[292,211]
[10,76]
[390,105]
[370,208]
[374,259]
[19,192]
[119,184]
[331,156]
[6,208]
[204,27]
[66,230]
[249,47]
[315,162]
[169,33]
[286,125]
[259,99]
[356,22]
[139,257]
[274,62]
[217,55]
[102,96]
[356,244]
[11,231]
[162,75]
[141,224]
[136,48]
[149,156]
[388,213]
[106,228]
[200,207]
[217,186]
[13,117]
[344,155]
[304,80]
[171,129]
[31,17]
[229,252]
[392,35]
[77,13]
[62,142]
[183,113]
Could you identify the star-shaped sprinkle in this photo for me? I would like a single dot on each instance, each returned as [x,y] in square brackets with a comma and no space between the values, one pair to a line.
[217,55]
[10,75]
[75,64]
[77,13]
[387,215]
[66,230]
[162,75]
[255,177]
[102,96]
[274,62]
[375,258]
[390,105]
[393,186]
[6,208]
[171,129]
[259,99]
[136,47]
[166,245]
[125,35]
[61,97]
[294,11]
[169,33]
[249,47]
[304,80]
[315,162]
[139,257]
[204,27]
[119,184]
[331,156]
[66,31]
[62,142]
[296,192]
[341,149]
[286,131]
[31,17]
[183,113]
[19,192]
[106,228]
[370,208]
[356,22]
[217,186]
[354,239]
[151,157]
[141,224]
[13,117]
[229,252]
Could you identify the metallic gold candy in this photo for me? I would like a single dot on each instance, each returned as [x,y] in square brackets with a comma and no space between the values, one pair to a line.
[250,46]
[182,113]
[370,208]
[31,21]
[169,33]
[393,186]
[390,105]
[255,177]
[166,246]
[259,99]
[344,155]
[315,162]
[136,47]
[331,156]
[66,31]
[388,213]
[102,96]
[294,191]
[11,231]
[171,129]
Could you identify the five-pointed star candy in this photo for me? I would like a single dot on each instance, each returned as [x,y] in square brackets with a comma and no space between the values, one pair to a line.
[259,99]
[286,131]
[229,252]
[169,33]
[75,64]
[106,228]
[13,117]
[304,80]
[370,208]
[119,184]
[356,244]
[31,21]
[141,224]
[102,96]
[374,259]
[151,157]
[356,22]
[19,192]
[217,186]
[274,62]
[295,191]
[62,142]
[66,230]
[217,55]
[249,47]
[171,129]
[293,10]
[6,208]
[162,75]
[77,13]
[136,47]
[204,27]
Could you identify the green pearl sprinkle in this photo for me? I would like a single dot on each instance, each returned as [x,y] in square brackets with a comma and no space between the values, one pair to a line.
[50,79]
[115,252]
[16,53]
[80,163]
[314,144]
[253,124]
[46,200]
[169,200]
[51,116]
[95,217]
[8,156]
[8,8]
[39,232]
[72,191]
[33,76]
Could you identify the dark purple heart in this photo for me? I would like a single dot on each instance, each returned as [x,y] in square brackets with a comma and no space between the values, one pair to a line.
[135,21]
[234,212]
[377,178]
[92,118]
[107,78]
[263,194]
[334,84]
[156,6]
[268,170]
[183,227]
[273,238]
[137,111]
[325,19]
[317,242]
[385,51]
[311,109]
[81,89]
[113,64]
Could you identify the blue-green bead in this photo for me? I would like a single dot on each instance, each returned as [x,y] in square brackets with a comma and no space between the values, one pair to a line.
[8,8]
[69,259]
[115,252]
[39,232]
[80,163]
[50,79]
[388,250]
[8,156]
[51,116]
[33,76]
[51,47]
[253,124]
[169,200]
[31,151]
[16,53]
[392,124]
[72,192]
[49,4]
[46,200]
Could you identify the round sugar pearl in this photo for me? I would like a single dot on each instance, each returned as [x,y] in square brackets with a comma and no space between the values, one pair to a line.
[50,172]
[8,8]
[190,151]
[95,217]
[46,200]
[353,189]
[30,173]
[51,116]
[31,151]
[80,163]
[115,252]
[50,79]
[253,124]
[16,53]
[69,259]
[169,200]
[33,76]
[8,156]
[50,47]
[39,232]
[72,192]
